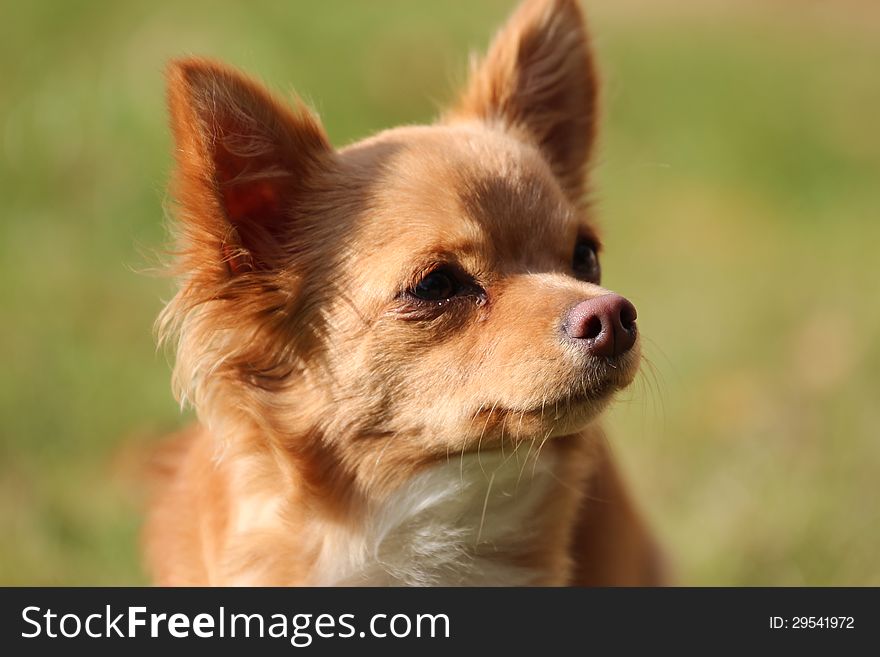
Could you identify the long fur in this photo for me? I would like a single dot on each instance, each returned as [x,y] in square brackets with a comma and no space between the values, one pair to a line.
[349,433]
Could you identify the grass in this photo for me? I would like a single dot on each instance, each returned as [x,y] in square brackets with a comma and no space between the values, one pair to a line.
[737,183]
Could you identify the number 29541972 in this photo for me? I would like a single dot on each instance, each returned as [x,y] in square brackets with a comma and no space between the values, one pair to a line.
[812,622]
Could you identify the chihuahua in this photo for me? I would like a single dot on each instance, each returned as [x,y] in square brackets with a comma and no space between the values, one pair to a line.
[398,351]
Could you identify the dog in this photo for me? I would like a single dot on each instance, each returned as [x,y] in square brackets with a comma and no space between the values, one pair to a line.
[398,352]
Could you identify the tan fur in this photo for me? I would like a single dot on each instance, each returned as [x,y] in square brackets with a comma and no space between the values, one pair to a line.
[321,388]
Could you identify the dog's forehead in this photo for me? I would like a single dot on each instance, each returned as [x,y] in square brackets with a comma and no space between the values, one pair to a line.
[464,184]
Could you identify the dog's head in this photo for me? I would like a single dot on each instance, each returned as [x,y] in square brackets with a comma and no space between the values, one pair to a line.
[422,292]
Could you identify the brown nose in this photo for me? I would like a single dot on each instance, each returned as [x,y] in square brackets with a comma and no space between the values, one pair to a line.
[605,325]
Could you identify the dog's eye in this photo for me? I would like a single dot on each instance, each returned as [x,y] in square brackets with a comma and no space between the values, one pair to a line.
[439,285]
[585,260]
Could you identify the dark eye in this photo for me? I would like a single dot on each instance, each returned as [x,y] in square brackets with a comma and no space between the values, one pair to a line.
[439,285]
[585,260]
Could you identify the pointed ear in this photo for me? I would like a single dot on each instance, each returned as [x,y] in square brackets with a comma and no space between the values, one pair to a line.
[538,82]
[243,161]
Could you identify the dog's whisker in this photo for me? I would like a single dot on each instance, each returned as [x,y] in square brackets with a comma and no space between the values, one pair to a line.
[485,506]
[525,463]
[480,440]
[538,454]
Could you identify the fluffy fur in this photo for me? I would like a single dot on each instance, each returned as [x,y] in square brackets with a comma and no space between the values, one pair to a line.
[350,432]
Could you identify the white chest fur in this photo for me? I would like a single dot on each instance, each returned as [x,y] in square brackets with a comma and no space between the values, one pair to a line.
[455,524]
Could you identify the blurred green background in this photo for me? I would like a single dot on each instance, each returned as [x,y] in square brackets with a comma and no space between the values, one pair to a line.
[738,181]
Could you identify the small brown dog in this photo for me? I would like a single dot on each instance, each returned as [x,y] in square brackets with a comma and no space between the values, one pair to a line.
[398,351]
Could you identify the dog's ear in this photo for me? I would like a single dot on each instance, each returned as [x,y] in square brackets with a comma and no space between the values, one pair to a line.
[244,159]
[538,81]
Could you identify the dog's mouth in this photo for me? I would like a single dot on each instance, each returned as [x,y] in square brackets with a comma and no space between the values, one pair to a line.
[601,379]
[576,406]
[580,402]
[561,415]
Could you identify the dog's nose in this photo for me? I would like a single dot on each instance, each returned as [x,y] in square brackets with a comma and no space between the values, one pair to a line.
[606,325]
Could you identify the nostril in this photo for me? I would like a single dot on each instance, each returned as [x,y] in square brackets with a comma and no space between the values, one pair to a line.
[593,328]
[628,316]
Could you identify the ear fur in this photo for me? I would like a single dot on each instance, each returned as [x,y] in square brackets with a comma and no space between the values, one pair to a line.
[538,81]
[243,158]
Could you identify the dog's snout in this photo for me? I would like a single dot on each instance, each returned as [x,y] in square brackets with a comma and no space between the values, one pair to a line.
[605,325]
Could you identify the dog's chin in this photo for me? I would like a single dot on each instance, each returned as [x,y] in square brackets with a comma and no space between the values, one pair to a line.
[581,409]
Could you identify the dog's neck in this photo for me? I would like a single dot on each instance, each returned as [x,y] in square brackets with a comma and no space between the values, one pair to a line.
[474,520]
[488,519]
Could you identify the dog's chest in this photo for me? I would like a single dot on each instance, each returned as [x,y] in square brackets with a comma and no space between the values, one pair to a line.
[466,522]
